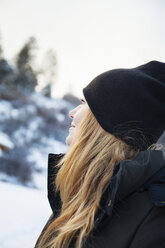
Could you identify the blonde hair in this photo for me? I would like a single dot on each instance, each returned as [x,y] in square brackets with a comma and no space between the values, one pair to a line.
[84,172]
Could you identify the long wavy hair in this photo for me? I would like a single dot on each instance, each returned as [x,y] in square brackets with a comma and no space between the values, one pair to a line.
[83,174]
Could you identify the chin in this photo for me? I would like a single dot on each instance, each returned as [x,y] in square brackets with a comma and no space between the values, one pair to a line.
[68,140]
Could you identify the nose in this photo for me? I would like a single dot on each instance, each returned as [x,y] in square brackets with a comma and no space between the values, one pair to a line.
[71,113]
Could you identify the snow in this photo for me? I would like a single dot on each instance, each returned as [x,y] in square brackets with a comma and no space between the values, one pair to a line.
[47,103]
[5,109]
[11,179]
[23,134]
[15,113]
[26,134]
[53,146]
[60,117]
[39,155]
[24,212]
[5,140]
[30,109]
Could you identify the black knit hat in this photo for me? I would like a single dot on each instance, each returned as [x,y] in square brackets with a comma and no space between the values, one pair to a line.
[130,103]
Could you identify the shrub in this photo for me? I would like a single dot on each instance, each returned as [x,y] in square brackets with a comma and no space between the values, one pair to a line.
[13,163]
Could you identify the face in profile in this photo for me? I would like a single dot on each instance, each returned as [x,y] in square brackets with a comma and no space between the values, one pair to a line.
[77,115]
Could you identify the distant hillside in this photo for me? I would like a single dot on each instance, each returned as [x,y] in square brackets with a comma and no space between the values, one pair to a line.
[31,126]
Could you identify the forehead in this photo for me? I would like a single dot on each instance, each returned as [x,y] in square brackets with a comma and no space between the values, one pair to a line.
[82,96]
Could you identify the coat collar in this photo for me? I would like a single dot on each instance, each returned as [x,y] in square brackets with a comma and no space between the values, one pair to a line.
[53,197]
[146,171]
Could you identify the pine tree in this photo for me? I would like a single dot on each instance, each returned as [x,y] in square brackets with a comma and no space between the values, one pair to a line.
[49,71]
[1,50]
[27,77]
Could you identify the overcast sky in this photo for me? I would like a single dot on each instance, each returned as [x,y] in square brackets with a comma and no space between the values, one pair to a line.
[88,36]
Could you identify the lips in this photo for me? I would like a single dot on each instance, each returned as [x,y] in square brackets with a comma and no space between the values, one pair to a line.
[72,125]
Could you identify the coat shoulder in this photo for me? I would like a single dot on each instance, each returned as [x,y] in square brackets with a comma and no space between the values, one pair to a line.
[150,233]
[132,224]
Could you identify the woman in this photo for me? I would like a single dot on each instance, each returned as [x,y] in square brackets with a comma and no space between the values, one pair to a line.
[108,190]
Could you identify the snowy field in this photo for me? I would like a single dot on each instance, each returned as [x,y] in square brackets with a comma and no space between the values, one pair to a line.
[25,210]
[23,213]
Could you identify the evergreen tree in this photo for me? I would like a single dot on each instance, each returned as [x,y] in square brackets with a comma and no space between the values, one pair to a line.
[1,50]
[46,91]
[27,77]
[50,65]
[49,71]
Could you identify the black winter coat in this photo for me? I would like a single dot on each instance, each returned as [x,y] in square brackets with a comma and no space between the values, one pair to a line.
[132,207]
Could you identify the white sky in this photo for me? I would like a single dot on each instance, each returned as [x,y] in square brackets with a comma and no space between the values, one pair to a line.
[89,36]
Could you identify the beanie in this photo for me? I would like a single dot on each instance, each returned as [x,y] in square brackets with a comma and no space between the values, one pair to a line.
[130,103]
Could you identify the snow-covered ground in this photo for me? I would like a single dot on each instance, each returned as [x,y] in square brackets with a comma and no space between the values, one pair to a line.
[5,140]
[23,213]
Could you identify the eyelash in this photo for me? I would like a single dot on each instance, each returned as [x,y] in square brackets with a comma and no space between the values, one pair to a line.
[82,100]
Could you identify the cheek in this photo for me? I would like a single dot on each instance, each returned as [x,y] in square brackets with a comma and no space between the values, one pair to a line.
[79,117]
